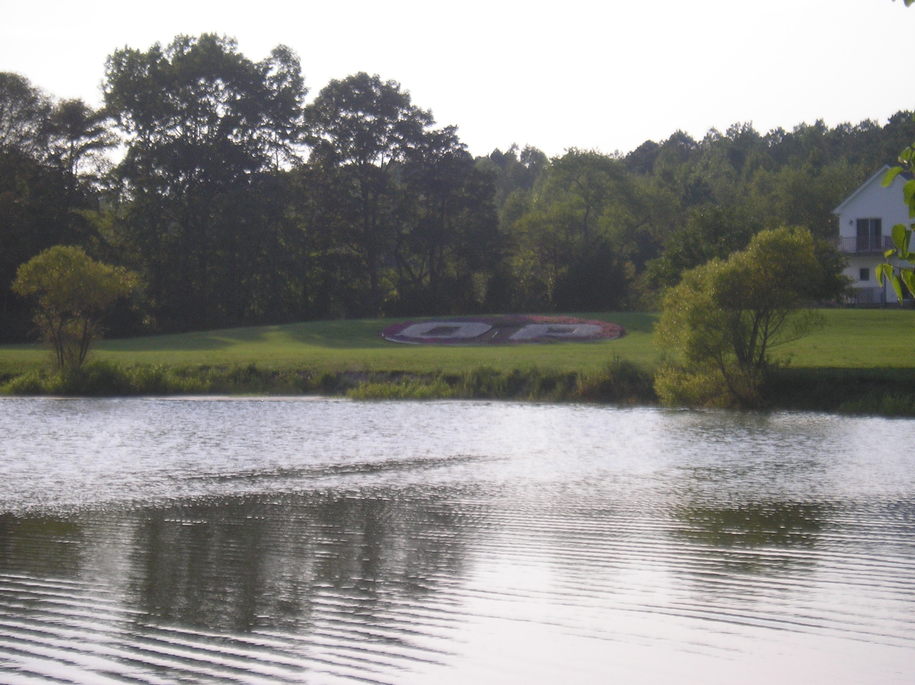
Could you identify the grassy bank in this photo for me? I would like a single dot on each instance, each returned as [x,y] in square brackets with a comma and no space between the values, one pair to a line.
[883,391]
[860,361]
[617,381]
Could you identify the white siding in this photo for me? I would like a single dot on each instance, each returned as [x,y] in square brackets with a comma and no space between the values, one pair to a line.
[873,201]
[871,292]
[870,201]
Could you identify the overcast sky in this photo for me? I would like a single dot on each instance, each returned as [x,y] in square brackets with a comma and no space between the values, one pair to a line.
[599,75]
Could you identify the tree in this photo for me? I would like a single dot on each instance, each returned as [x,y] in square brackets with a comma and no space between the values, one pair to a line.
[568,242]
[73,293]
[724,318]
[42,193]
[514,171]
[24,112]
[78,133]
[802,195]
[362,130]
[448,242]
[710,231]
[203,125]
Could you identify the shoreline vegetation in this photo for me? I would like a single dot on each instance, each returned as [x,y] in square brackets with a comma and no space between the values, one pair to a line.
[860,362]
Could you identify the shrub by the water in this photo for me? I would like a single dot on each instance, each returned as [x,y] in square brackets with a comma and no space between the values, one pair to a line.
[29,383]
[98,378]
[483,381]
[619,382]
[105,378]
[403,390]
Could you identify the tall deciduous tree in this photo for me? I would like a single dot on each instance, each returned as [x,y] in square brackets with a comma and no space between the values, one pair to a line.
[448,242]
[568,249]
[73,292]
[78,134]
[362,130]
[24,113]
[709,232]
[40,184]
[515,171]
[202,125]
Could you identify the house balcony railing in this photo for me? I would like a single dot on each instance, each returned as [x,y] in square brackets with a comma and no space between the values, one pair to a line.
[865,296]
[865,244]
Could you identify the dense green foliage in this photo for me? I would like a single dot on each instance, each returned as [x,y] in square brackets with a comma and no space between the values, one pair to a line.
[73,293]
[240,201]
[48,173]
[197,200]
[724,317]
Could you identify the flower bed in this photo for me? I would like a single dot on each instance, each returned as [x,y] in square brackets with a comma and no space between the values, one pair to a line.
[498,330]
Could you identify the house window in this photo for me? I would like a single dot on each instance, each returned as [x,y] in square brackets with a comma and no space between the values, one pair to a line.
[864,274]
[869,234]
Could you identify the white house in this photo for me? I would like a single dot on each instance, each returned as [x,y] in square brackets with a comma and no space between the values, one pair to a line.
[866,220]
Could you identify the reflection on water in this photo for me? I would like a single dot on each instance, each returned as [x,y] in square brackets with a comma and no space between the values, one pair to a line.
[164,541]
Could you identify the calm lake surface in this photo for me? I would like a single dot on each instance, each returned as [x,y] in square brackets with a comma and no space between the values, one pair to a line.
[330,541]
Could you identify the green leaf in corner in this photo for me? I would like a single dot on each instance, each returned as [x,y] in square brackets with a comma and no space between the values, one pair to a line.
[908,277]
[901,238]
[882,272]
[897,286]
[908,193]
[889,253]
[891,175]
[885,272]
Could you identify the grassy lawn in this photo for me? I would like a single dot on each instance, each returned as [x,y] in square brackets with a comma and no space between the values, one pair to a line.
[851,338]
[858,339]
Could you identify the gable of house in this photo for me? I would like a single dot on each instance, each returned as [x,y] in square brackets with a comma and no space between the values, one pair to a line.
[865,222]
[872,201]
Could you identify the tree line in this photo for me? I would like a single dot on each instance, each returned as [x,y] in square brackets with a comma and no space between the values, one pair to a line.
[238,200]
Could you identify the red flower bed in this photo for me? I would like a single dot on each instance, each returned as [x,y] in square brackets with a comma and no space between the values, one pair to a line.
[498,330]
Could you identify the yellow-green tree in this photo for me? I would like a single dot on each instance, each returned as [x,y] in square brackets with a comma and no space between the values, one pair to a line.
[73,292]
[721,322]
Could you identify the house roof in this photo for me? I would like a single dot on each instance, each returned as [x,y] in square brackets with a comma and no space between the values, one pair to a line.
[878,176]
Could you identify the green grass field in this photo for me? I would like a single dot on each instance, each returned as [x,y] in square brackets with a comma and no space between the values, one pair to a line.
[858,339]
[860,361]
[851,338]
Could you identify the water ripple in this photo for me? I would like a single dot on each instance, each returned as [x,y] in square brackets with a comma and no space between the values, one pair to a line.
[155,541]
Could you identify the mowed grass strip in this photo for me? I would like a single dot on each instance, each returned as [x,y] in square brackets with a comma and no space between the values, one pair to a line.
[850,338]
[857,339]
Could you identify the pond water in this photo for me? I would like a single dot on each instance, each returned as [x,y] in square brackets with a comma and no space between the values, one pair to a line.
[328,541]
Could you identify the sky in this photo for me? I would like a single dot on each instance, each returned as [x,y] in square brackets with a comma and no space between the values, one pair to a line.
[602,75]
